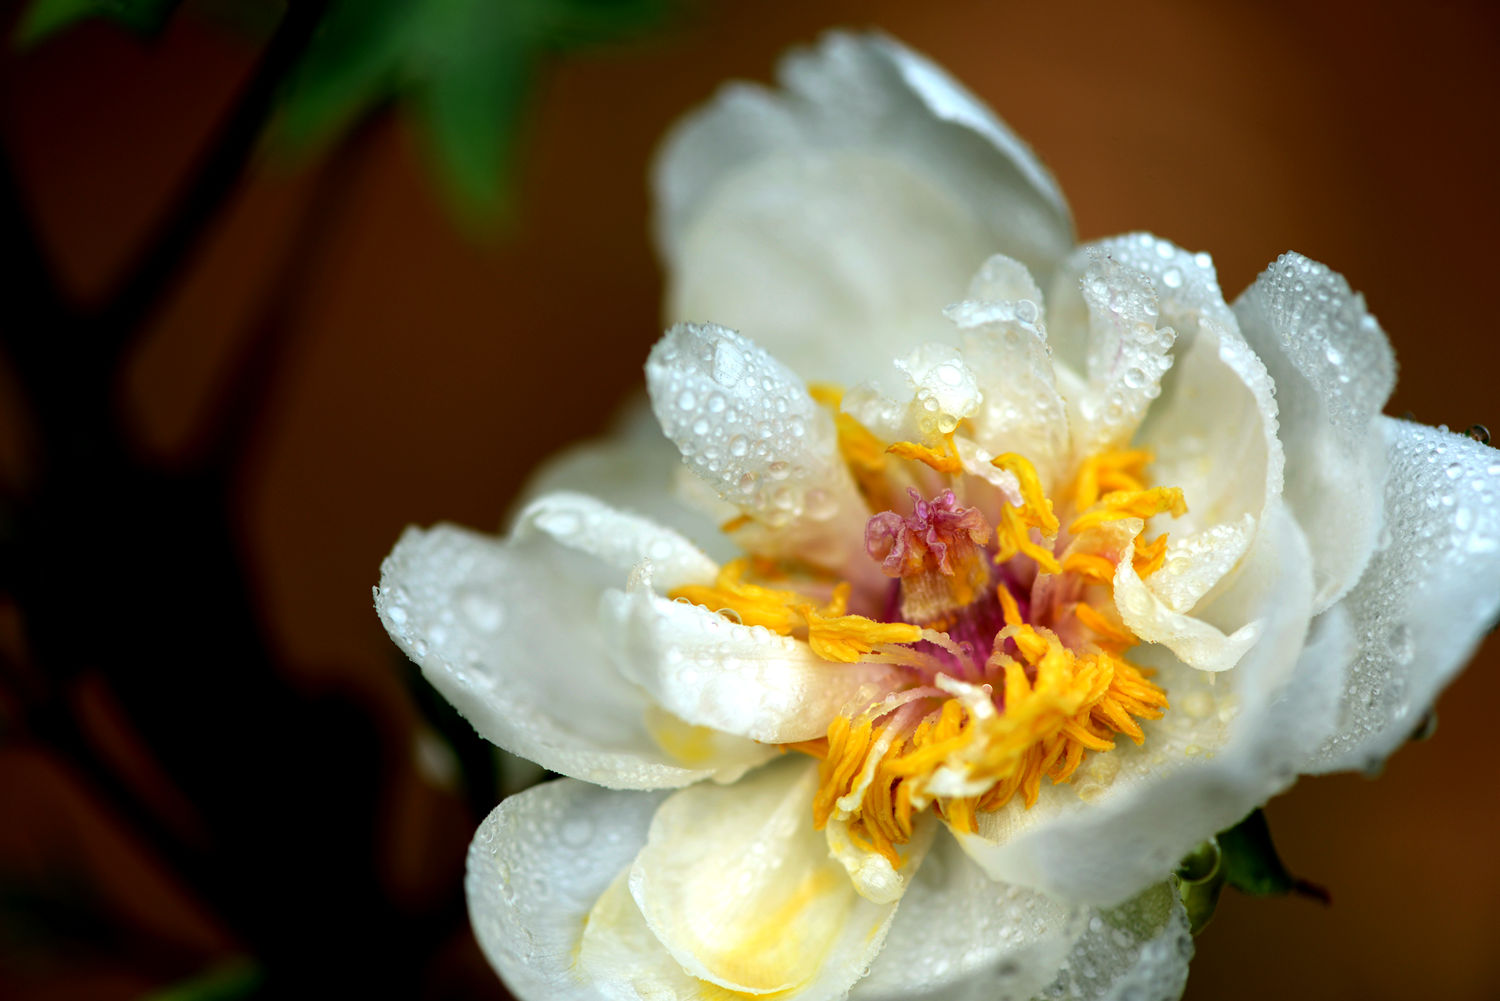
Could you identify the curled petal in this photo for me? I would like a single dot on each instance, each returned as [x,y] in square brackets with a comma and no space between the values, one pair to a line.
[1333,370]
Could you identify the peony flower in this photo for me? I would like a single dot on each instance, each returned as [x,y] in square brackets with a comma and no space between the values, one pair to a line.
[976,579]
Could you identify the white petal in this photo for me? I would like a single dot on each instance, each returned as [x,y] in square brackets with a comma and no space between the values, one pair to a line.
[1428,595]
[1186,286]
[944,390]
[1214,430]
[1333,370]
[624,961]
[633,468]
[508,632]
[960,936]
[616,538]
[848,208]
[738,679]
[1138,951]
[1005,279]
[1228,743]
[874,876]
[1022,411]
[536,866]
[1151,617]
[741,890]
[1128,350]
[746,425]
[1196,563]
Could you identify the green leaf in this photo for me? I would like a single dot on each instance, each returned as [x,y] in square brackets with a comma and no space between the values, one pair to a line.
[1251,864]
[464,69]
[45,18]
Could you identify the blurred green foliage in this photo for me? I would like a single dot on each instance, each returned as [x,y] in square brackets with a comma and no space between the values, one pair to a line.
[47,17]
[462,69]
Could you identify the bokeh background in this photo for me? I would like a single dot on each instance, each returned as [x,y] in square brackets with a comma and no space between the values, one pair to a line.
[420,361]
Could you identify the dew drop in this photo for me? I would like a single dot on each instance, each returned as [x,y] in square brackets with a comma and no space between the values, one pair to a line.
[729,365]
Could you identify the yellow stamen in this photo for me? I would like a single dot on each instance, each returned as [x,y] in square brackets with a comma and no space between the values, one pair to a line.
[832,634]
[1074,705]
[736,523]
[1090,565]
[944,458]
[847,638]
[1037,508]
[1149,556]
[1013,532]
[754,604]
[1131,504]
[862,451]
[1110,633]
[1106,472]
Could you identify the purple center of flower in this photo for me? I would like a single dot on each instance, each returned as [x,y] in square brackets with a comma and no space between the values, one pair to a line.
[944,576]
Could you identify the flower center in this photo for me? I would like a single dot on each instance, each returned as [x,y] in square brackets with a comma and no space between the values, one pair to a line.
[937,554]
[999,619]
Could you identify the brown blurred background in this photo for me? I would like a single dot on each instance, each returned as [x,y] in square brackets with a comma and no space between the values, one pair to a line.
[427,371]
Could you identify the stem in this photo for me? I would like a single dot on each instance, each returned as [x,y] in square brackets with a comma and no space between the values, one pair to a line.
[214,178]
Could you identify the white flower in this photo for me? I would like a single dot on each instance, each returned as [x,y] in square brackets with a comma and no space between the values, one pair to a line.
[979,607]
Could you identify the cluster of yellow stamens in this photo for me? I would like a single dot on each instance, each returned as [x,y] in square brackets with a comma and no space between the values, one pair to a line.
[981,721]
[1057,706]
[831,632]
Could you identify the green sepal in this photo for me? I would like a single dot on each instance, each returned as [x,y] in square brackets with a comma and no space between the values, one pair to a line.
[45,18]
[1200,881]
[1251,864]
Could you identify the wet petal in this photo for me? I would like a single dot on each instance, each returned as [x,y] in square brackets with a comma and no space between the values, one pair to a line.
[536,866]
[738,679]
[746,425]
[635,468]
[509,633]
[1333,370]
[1428,595]
[960,936]
[1229,742]
[849,207]
[740,888]
[1022,411]
[1126,353]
